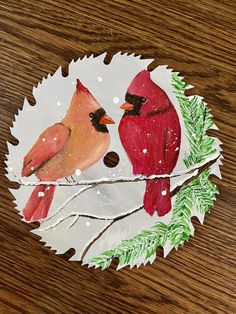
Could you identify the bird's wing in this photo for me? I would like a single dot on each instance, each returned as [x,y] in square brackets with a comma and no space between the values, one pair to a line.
[171,136]
[49,144]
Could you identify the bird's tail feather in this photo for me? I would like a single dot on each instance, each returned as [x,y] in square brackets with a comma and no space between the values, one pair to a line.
[157,196]
[39,203]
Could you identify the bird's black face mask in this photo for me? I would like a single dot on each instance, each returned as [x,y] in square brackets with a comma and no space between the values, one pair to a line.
[136,101]
[95,119]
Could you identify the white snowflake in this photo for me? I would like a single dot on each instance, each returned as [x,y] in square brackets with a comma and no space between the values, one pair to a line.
[116,100]
[78,172]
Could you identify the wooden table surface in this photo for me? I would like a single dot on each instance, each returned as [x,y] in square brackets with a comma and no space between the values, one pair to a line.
[196,38]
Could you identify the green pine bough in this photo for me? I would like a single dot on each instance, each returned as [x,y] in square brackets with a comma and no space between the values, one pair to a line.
[198,120]
[199,194]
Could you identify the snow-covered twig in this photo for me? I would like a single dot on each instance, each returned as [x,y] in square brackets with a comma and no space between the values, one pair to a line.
[91,216]
[106,180]
[137,178]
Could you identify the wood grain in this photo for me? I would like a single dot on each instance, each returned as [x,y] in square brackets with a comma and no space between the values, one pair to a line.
[195,38]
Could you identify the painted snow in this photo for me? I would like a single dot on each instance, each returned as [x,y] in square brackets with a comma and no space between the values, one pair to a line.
[71,220]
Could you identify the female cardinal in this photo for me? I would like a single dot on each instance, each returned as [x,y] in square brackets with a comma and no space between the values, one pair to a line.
[72,145]
[150,133]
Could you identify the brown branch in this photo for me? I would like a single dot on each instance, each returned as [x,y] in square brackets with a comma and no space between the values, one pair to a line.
[90,216]
[200,170]
[137,178]
[105,229]
[85,251]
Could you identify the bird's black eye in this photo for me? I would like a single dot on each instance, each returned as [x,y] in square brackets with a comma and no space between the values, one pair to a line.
[134,99]
[95,120]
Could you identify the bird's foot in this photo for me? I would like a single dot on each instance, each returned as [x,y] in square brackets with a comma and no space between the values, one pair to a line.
[67,180]
[73,180]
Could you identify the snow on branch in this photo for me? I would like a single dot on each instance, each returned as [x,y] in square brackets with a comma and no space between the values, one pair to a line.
[137,178]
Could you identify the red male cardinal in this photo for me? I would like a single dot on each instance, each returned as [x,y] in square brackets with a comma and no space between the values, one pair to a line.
[150,133]
[72,145]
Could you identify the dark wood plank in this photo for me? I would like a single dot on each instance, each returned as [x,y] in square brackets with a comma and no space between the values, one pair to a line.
[195,38]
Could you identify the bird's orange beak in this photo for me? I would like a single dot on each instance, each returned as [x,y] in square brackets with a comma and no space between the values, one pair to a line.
[106,120]
[127,106]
